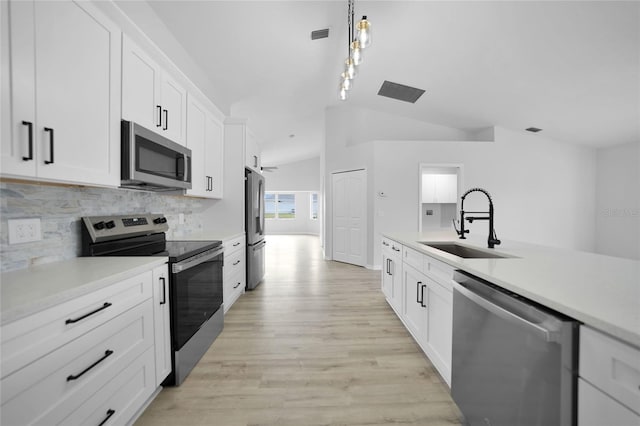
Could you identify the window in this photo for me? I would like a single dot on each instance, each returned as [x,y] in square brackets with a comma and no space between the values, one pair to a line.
[279,205]
[314,206]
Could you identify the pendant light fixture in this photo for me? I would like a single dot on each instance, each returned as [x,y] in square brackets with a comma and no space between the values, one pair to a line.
[357,41]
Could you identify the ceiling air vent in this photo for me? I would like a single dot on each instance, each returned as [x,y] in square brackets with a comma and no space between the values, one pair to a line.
[318,34]
[400,92]
[533,129]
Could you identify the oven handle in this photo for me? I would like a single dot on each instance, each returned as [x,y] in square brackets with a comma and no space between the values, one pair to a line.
[196,260]
[547,335]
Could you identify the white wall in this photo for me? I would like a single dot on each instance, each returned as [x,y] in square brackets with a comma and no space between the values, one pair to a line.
[543,190]
[301,178]
[618,201]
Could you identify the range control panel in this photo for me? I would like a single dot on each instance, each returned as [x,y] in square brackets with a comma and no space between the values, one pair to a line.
[105,228]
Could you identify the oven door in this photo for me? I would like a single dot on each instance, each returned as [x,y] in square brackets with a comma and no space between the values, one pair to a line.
[196,294]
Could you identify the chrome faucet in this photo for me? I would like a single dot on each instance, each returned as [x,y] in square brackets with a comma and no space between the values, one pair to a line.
[492,240]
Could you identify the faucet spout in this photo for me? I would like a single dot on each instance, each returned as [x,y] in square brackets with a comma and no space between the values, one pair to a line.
[491,240]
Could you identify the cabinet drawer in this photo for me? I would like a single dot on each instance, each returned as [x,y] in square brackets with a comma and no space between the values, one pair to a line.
[121,398]
[45,391]
[611,366]
[234,244]
[597,409]
[234,286]
[439,271]
[234,263]
[413,258]
[30,338]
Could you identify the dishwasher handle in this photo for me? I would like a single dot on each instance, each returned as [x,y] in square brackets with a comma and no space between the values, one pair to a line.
[544,333]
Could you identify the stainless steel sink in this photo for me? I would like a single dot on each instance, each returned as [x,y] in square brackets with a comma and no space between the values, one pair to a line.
[464,251]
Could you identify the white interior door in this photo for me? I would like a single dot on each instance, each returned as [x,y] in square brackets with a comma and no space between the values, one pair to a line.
[349,216]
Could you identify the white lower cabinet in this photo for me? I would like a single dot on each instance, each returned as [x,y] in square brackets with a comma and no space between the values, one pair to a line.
[234,270]
[609,384]
[425,303]
[90,359]
[392,273]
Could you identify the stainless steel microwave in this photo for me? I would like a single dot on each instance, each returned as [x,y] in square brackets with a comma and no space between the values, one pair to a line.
[152,162]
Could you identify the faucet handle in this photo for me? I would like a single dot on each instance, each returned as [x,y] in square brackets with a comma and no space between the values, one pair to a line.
[459,232]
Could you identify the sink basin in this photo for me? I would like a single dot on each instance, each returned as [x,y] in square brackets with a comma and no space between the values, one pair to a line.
[464,251]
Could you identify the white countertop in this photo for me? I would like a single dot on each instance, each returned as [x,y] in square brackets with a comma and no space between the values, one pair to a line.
[600,291]
[212,235]
[31,290]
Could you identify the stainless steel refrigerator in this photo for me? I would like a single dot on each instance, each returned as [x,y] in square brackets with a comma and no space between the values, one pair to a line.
[254,226]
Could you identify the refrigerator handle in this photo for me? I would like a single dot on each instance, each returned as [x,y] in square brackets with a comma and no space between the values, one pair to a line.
[261,207]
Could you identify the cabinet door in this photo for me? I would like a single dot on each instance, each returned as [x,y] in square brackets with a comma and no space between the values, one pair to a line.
[596,408]
[214,155]
[196,117]
[140,87]
[429,188]
[447,188]
[438,330]
[77,92]
[413,313]
[18,90]
[174,107]
[161,323]
[387,278]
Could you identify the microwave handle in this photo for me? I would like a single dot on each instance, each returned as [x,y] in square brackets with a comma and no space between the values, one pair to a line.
[186,168]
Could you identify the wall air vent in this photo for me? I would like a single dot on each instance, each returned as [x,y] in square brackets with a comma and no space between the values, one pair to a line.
[318,34]
[533,129]
[400,92]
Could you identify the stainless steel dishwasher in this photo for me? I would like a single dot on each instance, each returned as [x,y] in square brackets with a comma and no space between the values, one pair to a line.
[514,362]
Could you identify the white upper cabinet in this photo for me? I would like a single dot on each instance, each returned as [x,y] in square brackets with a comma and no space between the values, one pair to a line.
[150,96]
[64,118]
[214,155]
[439,188]
[205,140]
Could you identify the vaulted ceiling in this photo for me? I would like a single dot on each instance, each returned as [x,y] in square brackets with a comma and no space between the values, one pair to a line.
[570,68]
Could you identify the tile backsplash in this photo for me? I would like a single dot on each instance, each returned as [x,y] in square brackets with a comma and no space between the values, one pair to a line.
[61,207]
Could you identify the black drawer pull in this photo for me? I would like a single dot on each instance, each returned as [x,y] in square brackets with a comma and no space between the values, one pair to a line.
[236,262]
[418,285]
[107,353]
[30,126]
[237,285]
[50,160]
[236,244]
[109,414]
[105,306]
[166,119]
[159,116]
[422,294]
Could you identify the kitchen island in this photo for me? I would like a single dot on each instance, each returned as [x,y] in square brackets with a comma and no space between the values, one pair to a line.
[601,293]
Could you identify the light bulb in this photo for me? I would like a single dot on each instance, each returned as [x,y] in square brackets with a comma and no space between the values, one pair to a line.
[346,81]
[342,93]
[350,68]
[364,32]
[356,52]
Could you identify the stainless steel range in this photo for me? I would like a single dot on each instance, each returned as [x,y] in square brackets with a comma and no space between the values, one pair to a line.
[195,284]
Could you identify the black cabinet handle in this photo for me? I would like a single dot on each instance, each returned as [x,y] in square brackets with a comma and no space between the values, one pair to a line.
[166,119]
[418,284]
[107,354]
[30,126]
[236,244]
[105,306]
[109,414]
[384,243]
[388,272]
[237,285]
[395,249]
[236,262]
[164,291]
[255,161]
[422,296]
[159,124]
[50,130]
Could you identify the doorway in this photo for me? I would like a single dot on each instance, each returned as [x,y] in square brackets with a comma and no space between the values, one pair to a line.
[349,216]
[439,193]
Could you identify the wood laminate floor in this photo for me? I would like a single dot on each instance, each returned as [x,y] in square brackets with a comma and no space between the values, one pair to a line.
[314,344]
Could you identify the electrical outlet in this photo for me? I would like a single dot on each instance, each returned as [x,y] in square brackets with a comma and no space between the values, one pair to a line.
[24,230]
